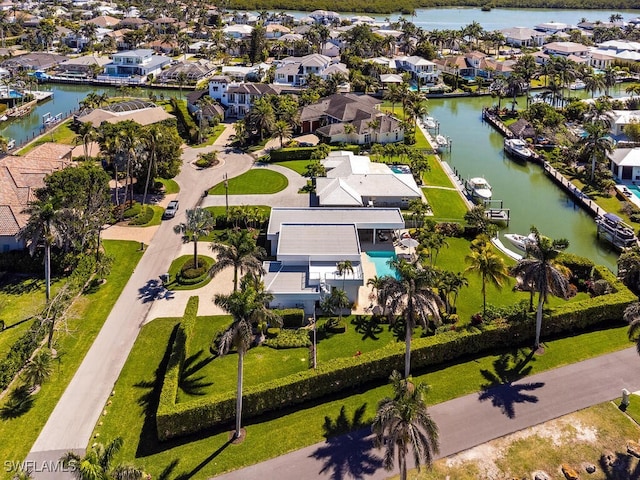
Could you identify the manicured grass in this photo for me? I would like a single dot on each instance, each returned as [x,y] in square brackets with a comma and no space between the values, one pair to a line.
[436,175]
[175,267]
[131,414]
[157,217]
[255,181]
[60,134]
[170,185]
[633,410]
[298,166]
[213,136]
[421,141]
[85,319]
[219,211]
[20,301]
[446,204]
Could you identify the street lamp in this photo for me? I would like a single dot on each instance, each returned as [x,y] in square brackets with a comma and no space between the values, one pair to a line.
[226,193]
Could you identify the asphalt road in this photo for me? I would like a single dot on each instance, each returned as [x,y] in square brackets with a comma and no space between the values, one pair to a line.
[466,421]
[71,423]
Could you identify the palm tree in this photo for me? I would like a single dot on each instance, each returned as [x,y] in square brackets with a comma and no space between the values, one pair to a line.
[44,227]
[199,223]
[38,369]
[412,297]
[597,144]
[344,267]
[490,267]
[338,300]
[240,252]
[282,130]
[244,306]
[539,272]
[87,133]
[151,137]
[97,464]
[402,423]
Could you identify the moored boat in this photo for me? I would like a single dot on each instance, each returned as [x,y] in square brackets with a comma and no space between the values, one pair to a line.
[615,231]
[430,123]
[479,189]
[520,241]
[441,143]
[517,148]
[578,85]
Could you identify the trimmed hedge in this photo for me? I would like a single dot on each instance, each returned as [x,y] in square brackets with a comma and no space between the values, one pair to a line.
[303,153]
[343,373]
[289,339]
[291,317]
[186,124]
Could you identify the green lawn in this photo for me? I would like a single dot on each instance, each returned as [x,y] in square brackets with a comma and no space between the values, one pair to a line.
[20,300]
[206,455]
[213,136]
[298,166]
[170,185]
[255,181]
[447,205]
[85,319]
[436,175]
[60,134]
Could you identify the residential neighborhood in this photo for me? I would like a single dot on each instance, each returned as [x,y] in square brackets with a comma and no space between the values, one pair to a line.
[316,244]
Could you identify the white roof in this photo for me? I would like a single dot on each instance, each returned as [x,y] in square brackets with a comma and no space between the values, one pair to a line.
[318,240]
[362,218]
[626,157]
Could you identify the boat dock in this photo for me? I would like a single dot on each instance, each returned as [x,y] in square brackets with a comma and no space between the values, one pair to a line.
[578,197]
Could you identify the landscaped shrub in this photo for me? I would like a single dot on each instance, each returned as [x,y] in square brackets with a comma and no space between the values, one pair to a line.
[291,317]
[290,339]
[345,373]
[304,153]
[273,332]
[335,325]
[144,217]
[186,124]
[450,229]
[131,210]
[190,275]
[21,261]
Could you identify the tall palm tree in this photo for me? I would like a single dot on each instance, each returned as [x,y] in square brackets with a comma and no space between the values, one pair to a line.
[97,464]
[199,223]
[539,271]
[240,252]
[412,297]
[344,267]
[490,267]
[282,129]
[244,306]
[151,137]
[402,423]
[597,144]
[44,227]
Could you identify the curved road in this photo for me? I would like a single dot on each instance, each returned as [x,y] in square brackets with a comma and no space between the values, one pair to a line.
[71,423]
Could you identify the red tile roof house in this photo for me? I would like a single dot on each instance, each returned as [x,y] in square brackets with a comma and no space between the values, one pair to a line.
[20,176]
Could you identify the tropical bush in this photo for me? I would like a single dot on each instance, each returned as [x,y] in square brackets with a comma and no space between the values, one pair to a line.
[291,317]
[143,217]
[289,339]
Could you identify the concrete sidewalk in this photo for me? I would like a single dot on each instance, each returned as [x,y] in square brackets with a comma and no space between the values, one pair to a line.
[467,421]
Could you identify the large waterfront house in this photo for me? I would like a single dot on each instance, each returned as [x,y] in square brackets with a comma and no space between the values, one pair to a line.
[421,70]
[134,66]
[139,111]
[19,177]
[308,244]
[523,37]
[294,71]
[355,181]
[625,163]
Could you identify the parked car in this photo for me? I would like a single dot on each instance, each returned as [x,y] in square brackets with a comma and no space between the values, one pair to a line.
[171,210]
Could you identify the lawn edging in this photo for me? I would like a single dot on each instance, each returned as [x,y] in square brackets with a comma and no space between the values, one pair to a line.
[178,419]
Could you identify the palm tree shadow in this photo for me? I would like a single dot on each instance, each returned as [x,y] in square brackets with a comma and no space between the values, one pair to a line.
[622,466]
[190,384]
[347,451]
[501,388]
[154,290]
[367,327]
[19,402]
[203,463]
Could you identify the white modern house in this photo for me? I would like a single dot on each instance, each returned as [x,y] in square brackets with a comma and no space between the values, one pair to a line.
[625,163]
[134,66]
[421,70]
[619,119]
[356,181]
[309,243]
[295,70]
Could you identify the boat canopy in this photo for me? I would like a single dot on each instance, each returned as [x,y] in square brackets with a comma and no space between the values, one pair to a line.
[612,218]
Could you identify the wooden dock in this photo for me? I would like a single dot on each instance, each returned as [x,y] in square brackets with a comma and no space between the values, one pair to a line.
[576,194]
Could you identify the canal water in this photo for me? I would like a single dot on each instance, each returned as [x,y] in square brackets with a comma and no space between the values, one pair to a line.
[66,99]
[533,199]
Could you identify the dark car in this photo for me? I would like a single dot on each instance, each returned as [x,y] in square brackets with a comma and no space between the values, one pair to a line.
[171,210]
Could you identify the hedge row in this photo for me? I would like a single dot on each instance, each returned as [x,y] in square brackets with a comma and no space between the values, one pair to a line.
[343,373]
[28,342]
[186,124]
[291,317]
[303,153]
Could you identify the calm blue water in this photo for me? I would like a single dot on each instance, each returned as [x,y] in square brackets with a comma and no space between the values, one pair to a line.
[381,260]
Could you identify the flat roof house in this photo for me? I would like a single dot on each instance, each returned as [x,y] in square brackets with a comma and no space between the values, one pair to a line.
[134,66]
[310,242]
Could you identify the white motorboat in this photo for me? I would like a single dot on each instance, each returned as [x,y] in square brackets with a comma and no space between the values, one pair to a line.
[517,148]
[441,143]
[430,123]
[479,189]
[520,241]
[578,85]
[613,229]
[11,144]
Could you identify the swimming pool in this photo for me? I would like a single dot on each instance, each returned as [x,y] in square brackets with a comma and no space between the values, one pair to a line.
[380,259]
[400,169]
[634,189]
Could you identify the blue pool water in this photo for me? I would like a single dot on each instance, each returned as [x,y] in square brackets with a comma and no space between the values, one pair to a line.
[634,189]
[399,169]
[380,259]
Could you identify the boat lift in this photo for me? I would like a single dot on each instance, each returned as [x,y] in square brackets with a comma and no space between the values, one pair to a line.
[495,211]
[48,119]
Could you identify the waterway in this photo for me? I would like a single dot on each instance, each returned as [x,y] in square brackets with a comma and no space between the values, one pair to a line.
[496,19]
[533,199]
[66,99]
